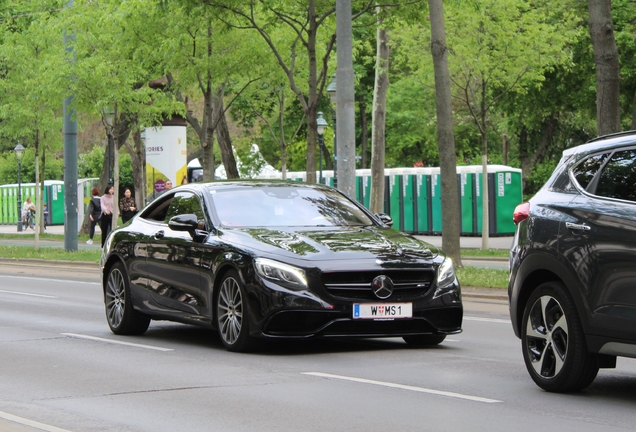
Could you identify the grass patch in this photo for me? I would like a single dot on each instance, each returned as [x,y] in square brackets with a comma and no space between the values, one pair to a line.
[483,277]
[49,253]
[495,253]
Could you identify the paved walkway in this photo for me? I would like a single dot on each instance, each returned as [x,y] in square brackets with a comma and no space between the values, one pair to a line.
[465,242]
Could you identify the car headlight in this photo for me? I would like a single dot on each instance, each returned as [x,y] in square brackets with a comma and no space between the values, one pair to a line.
[446,280]
[281,274]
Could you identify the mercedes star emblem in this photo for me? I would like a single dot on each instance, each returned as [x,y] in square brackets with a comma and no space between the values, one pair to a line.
[382,287]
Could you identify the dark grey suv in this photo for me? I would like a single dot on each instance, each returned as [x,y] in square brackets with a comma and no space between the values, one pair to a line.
[572,284]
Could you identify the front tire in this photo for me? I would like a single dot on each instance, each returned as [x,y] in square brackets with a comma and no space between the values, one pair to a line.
[122,318]
[231,314]
[553,342]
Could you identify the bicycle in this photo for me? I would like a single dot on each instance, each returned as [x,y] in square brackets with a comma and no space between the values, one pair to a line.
[29,220]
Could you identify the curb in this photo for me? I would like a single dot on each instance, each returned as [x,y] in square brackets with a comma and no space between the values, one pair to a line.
[482,293]
[60,264]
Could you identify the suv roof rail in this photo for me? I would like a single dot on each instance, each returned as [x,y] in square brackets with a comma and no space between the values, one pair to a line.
[612,135]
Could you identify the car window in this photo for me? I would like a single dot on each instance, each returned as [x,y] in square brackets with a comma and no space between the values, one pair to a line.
[285,206]
[157,212]
[184,203]
[585,171]
[619,176]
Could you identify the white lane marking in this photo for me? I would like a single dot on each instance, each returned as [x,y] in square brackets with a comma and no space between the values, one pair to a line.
[495,320]
[51,280]
[30,423]
[451,340]
[27,294]
[111,341]
[404,387]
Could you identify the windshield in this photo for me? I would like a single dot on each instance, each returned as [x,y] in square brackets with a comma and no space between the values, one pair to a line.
[286,206]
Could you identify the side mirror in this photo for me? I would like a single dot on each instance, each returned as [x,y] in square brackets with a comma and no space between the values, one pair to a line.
[184,222]
[385,219]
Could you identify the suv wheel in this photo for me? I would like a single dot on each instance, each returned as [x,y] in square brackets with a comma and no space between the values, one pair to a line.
[553,342]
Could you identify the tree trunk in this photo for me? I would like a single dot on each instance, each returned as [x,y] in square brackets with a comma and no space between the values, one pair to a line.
[445,135]
[138,156]
[608,111]
[378,120]
[116,185]
[345,106]
[364,132]
[312,100]
[223,136]
[485,226]
[633,126]
[505,146]
[38,197]
[42,178]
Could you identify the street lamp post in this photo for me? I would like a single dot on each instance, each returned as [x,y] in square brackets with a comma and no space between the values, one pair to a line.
[321,125]
[109,120]
[331,91]
[19,151]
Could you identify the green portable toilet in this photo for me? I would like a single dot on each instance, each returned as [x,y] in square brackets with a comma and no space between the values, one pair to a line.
[395,197]
[363,176]
[436,201]
[466,190]
[329,177]
[506,194]
[408,197]
[300,176]
[422,205]
[56,202]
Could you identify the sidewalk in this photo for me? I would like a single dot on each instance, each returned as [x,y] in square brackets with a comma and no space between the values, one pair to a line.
[465,242]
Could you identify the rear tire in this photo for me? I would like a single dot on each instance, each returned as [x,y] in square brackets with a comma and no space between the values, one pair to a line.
[122,317]
[232,318]
[424,340]
[553,342]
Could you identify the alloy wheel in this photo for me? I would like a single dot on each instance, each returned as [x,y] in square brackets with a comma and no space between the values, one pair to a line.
[115,298]
[547,337]
[230,311]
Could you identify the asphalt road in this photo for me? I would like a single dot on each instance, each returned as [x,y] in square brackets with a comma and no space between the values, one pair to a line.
[62,370]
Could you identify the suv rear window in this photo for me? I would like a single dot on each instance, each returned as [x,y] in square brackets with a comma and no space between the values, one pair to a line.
[618,178]
[585,171]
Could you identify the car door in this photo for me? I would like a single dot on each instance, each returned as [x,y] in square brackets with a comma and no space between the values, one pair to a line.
[174,260]
[599,240]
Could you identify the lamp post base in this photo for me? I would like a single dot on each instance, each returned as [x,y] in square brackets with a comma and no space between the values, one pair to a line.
[20,226]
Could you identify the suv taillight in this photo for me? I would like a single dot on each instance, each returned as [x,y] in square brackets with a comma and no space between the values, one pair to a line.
[522,212]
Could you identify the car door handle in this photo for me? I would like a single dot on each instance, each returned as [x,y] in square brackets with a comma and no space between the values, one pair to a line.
[573,226]
[159,234]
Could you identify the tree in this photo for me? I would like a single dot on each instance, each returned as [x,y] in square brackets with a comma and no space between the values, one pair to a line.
[445,136]
[376,202]
[608,110]
[501,46]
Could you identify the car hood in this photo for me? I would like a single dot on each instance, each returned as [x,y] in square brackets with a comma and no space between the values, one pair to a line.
[337,243]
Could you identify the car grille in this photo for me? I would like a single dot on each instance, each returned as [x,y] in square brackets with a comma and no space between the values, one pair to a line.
[407,284]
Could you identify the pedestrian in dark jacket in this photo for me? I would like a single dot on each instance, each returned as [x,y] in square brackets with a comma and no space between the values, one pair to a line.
[94,212]
[127,206]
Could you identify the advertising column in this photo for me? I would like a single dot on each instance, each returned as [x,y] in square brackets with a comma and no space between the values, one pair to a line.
[166,158]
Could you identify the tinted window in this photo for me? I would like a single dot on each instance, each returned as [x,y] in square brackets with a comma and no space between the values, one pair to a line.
[285,206]
[618,179]
[158,211]
[184,203]
[586,170]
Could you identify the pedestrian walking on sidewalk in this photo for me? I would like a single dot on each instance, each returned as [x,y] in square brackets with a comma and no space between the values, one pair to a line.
[107,203]
[127,206]
[94,212]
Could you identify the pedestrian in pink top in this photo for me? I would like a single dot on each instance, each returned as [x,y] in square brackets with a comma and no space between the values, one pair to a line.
[107,202]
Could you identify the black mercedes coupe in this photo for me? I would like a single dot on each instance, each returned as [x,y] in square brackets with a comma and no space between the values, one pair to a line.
[260,260]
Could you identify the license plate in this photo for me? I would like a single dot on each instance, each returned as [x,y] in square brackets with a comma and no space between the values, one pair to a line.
[382,310]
